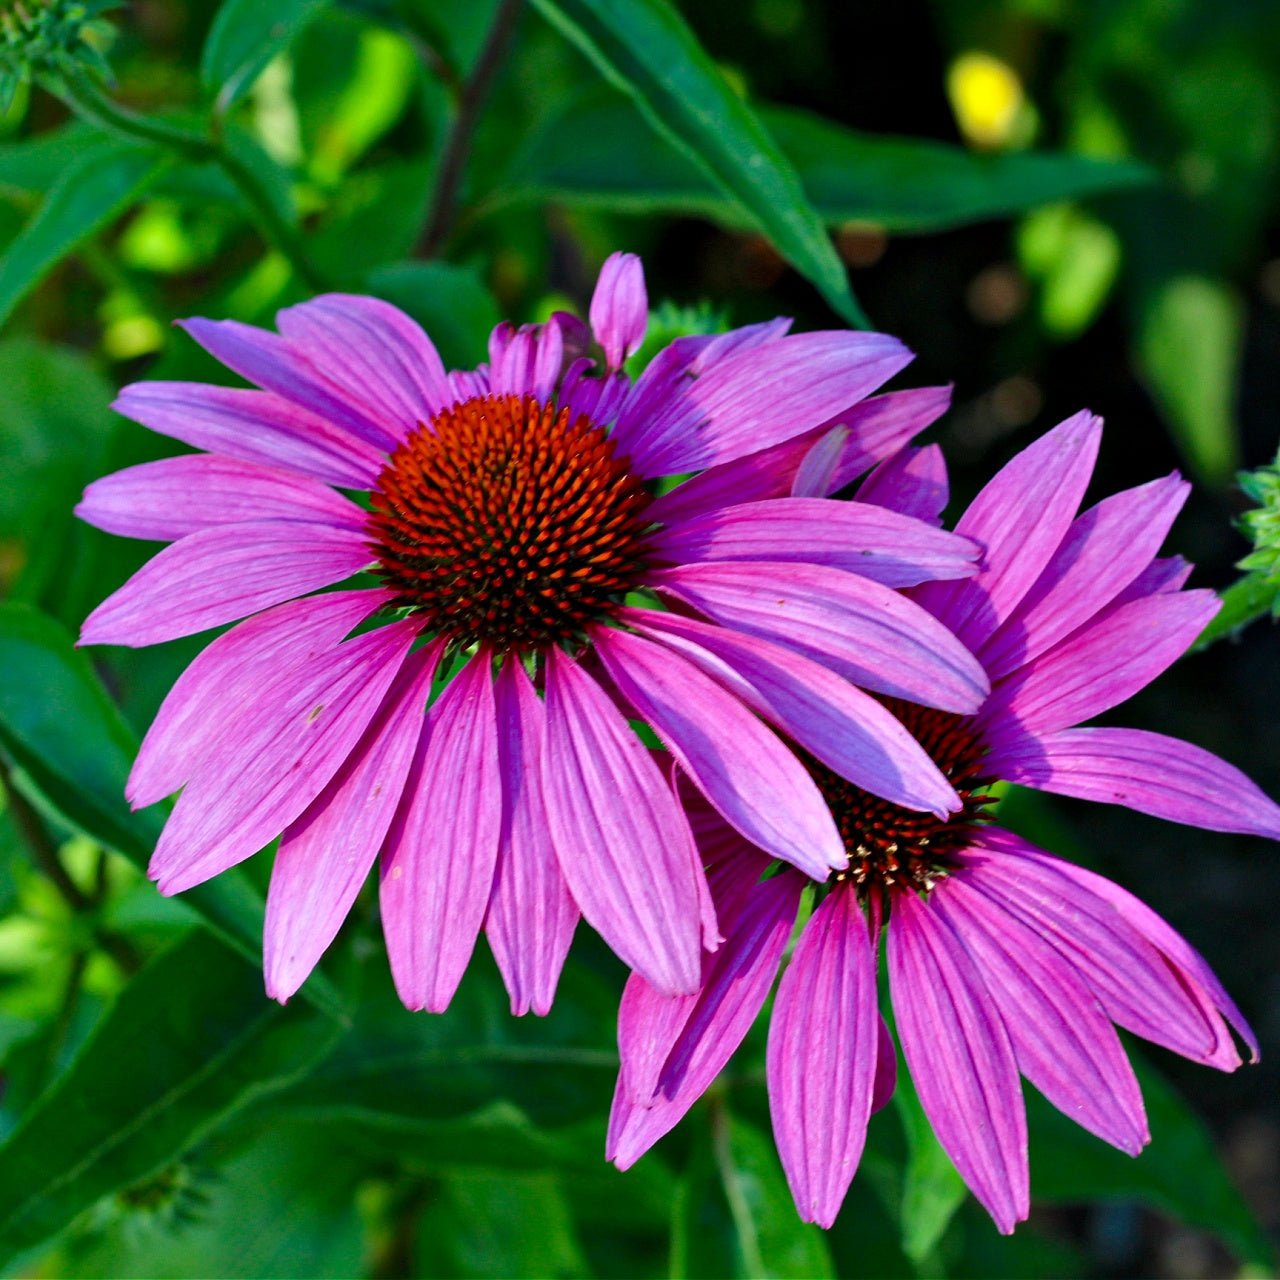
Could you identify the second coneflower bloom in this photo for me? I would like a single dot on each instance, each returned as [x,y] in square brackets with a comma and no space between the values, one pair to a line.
[1003,961]
[518,542]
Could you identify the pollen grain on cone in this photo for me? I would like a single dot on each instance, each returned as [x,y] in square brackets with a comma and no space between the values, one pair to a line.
[507,522]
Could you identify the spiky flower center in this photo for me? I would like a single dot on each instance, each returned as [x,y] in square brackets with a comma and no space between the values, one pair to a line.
[509,522]
[890,846]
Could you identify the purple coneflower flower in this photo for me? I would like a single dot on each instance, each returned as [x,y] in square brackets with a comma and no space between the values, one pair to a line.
[1002,960]
[512,513]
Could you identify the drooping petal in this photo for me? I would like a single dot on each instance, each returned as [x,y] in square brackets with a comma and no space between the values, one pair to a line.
[886,1069]
[1145,771]
[620,307]
[822,1056]
[861,538]
[262,771]
[257,426]
[864,631]
[960,1058]
[1175,948]
[760,397]
[1136,986]
[1020,518]
[226,680]
[218,575]
[876,428]
[173,497]
[621,840]
[275,364]
[738,764]
[846,729]
[913,481]
[437,864]
[736,983]
[1104,551]
[1102,664]
[818,467]
[1063,1041]
[531,916]
[377,355]
[325,855]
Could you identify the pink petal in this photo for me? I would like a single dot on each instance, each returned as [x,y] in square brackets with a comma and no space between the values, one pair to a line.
[325,855]
[256,426]
[760,397]
[531,916]
[530,363]
[1175,948]
[1161,578]
[1063,1041]
[275,364]
[960,1058]
[879,544]
[226,680]
[1145,771]
[738,764]
[864,631]
[1102,664]
[912,481]
[822,1056]
[622,842]
[262,771]
[437,865]
[1020,518]
[1104,551]
[846,729]
[737,982]
[218,575]
[815,476]
[171,498]
[620,307]
[1137,988]
[875,429]
[379,357]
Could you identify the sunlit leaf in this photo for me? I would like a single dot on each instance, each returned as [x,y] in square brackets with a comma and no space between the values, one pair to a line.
[188,1043]
[644,48]
[1189,345]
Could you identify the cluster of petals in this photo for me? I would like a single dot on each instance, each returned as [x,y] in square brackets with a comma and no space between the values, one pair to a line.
[506,790]
[1014,963]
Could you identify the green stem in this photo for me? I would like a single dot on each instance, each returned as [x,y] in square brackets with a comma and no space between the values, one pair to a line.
[1243,602]
[83,96]
[721,1145]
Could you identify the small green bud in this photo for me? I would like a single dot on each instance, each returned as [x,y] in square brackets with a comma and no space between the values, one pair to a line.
[1262,527]
[52,38]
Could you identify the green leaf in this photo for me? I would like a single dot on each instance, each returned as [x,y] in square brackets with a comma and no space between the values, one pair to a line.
[1180,1172]
[91,192]
[245,36]
[33,165]
[62,730]
[599,154]
[450,302]
[501,1224]
[1189,342]
[644,48]
[932,1190]
[187,1044]
[772,1239]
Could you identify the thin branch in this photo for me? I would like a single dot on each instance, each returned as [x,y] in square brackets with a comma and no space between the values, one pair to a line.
[475,91]
[85,98]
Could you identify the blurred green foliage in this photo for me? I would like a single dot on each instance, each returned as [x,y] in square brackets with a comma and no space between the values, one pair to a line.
[469,162]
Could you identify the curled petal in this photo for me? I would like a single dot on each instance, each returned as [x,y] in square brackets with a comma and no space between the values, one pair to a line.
[620,307]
